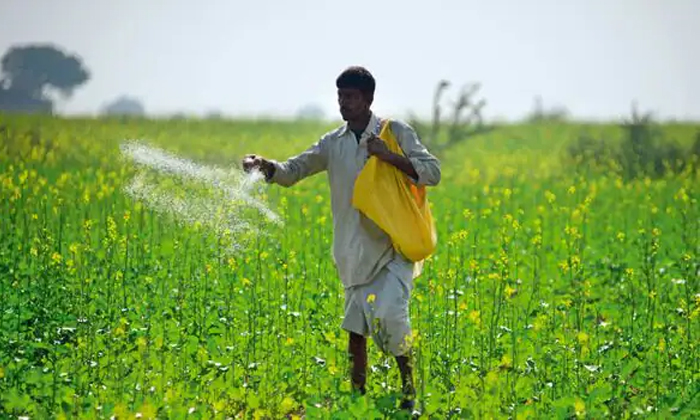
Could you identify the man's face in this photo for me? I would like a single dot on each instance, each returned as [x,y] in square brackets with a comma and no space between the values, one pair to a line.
[353,103]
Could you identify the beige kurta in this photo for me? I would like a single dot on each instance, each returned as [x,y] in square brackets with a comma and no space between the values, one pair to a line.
[360,248]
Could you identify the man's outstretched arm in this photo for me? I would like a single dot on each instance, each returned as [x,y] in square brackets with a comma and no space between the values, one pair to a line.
[287,173]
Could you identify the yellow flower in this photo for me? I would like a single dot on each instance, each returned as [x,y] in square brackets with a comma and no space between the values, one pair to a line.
[121,411]
[550,196]
[332,369]
[219,405]
[371,297]
[539,322]
[287,404]
[475,317]
[516,225]
[580,407]
[148,411]
[506,362]
[141,342]
[575,261]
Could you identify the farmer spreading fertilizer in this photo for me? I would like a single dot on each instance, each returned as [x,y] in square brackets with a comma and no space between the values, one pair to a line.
[378,279]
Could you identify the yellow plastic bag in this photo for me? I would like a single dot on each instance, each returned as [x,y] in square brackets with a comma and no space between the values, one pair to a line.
[399,207]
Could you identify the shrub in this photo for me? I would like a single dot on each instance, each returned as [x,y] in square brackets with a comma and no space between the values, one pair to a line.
[642,150]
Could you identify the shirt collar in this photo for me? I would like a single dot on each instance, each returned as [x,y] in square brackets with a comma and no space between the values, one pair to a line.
[371,126]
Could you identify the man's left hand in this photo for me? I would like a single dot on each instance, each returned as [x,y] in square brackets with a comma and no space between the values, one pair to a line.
[377,147]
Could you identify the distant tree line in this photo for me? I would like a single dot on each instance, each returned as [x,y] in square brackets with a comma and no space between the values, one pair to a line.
[35,77]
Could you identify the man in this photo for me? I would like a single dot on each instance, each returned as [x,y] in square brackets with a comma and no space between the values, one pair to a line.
[377,279]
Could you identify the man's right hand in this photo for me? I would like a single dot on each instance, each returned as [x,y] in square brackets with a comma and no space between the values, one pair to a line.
[255,162]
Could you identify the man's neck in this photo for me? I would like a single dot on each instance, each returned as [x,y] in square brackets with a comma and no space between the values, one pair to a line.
[360,123]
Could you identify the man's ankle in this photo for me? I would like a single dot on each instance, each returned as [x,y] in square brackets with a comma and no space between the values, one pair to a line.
[406,373]
[359,389]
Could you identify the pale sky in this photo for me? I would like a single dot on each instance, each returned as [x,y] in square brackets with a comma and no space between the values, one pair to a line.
[265,57]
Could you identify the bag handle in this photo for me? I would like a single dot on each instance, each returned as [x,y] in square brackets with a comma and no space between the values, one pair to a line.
[379,127]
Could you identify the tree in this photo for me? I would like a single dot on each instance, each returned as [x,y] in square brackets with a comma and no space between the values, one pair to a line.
[32,73]
[465,122]
[125,105]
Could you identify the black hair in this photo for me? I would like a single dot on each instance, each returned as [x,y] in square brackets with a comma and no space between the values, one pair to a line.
[357,77]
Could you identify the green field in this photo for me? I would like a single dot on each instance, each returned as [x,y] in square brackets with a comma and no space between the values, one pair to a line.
[554,293]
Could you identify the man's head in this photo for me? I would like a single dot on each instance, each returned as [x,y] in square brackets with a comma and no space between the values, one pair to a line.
[355,92]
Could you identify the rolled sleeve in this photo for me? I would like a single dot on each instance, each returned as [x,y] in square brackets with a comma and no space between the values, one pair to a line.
[426,165]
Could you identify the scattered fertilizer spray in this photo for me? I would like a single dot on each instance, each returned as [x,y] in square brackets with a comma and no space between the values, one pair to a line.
[220,199]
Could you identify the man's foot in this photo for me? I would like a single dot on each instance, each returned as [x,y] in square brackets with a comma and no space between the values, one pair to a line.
[408,404]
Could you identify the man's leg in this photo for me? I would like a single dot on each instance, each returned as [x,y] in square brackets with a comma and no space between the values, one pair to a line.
[355,324]
[393,334]
[405,364]
[381,309]
[357,348]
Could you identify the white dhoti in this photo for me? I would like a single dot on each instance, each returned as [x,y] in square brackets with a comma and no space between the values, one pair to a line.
[380,309]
